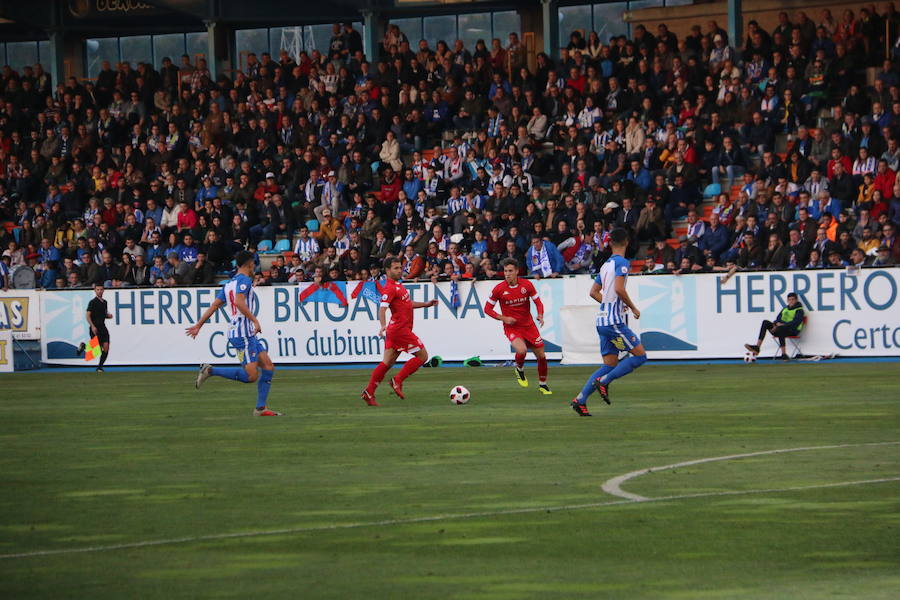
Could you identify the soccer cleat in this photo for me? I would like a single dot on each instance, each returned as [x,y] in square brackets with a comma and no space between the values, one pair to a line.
[81,348]
[520,377]
[100,370]
[397,386]
[545,389]
[266,412]
[602,389]
[368,398]
[784,357]
[203,374]
[579,408]
[752,348]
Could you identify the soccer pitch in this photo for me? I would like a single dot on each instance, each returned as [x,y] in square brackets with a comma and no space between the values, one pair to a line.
[138,486]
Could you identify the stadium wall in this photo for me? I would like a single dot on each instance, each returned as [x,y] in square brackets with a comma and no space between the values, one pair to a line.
[683,317]
[712,316]
[679,19]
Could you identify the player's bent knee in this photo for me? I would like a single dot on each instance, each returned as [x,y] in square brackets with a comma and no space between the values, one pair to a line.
[639,359]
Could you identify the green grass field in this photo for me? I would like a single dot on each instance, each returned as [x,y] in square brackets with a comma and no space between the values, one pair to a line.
[339,500]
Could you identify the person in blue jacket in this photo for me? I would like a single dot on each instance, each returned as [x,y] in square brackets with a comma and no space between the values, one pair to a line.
[543,259]
[715,239]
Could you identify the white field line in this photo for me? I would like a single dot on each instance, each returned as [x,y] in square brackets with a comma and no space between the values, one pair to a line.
[613,486]
[433,518]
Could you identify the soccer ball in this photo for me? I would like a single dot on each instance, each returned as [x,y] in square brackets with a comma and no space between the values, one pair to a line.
[749,357]
[459,395]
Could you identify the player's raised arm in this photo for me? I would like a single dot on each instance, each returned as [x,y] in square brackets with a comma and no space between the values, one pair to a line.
[430,303]
[194,329]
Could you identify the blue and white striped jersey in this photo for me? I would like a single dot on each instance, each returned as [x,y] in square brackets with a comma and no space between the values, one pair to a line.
[612,308]
[239,326]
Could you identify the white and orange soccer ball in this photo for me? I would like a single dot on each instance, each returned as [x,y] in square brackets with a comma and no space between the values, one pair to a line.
[459,395]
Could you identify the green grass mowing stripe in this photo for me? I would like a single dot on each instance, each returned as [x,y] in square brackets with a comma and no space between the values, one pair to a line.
[428,519]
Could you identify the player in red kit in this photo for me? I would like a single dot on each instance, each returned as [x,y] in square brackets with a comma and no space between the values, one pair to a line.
[398,334]
[515,297]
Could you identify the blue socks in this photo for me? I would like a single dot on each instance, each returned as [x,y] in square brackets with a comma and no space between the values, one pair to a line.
[239,374]
[234,373]
[589,388]
[624,368]
[262,387]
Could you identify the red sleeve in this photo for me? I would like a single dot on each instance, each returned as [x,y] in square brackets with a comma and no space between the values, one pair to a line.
[387,293]
[532,293]
[489,305]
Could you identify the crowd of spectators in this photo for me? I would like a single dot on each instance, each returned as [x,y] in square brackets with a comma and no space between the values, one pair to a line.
[456,157]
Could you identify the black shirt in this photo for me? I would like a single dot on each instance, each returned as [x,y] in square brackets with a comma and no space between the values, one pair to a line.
[97,308]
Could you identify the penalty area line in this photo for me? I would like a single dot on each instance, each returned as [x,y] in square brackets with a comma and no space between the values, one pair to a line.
[427,519]
[613,486]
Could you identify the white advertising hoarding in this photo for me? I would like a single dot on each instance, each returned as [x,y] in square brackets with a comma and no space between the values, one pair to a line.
[709,316]
[148,325]
[683,317]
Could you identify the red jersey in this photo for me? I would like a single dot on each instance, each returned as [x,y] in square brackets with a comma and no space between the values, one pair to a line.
[396,297]
[515,301]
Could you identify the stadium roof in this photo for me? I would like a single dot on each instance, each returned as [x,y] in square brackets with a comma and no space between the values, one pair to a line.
[20,19]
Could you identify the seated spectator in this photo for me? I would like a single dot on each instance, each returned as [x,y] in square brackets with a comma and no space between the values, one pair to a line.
[543,259]
[788,323]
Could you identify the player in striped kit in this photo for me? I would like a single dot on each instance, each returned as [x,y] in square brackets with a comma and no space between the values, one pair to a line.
[240,304]
[612,326]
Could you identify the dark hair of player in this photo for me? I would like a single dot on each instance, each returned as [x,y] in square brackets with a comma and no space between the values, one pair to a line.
[243,258]
[618,236]
[389,262]
[509,261]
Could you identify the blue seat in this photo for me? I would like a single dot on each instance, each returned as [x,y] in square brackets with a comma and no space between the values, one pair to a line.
[282,245]
[312,225]
[713,189]
[264,246]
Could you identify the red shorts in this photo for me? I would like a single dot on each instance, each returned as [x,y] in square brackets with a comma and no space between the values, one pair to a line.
[403,341]
[529,334]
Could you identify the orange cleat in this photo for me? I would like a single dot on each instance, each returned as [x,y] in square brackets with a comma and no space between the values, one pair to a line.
[397,386]
[266,412]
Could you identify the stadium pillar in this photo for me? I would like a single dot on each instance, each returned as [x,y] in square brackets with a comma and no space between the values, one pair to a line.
[219,48]
[735,23]
[373,31]
[57,64]
[550,14]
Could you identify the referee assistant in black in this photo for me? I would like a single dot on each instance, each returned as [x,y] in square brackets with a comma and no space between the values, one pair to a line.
[97,314]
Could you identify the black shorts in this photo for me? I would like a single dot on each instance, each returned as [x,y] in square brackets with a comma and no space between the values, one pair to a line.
[783,331]
[103,335]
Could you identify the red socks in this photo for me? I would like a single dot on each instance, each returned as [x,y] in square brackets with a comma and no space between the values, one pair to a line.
[542,369]
[411,366]
[377,376]
[520,360]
